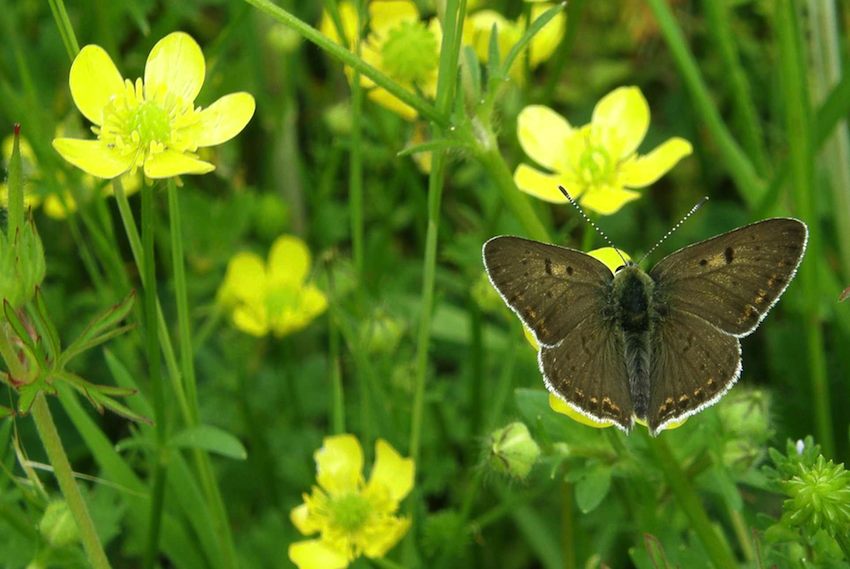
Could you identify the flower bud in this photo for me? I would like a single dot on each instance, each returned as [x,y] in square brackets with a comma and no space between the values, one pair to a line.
[513,451]
[22,264]
[57,525]
[381,333]
[819,497]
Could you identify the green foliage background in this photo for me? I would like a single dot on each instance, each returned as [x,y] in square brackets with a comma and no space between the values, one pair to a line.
[745,81]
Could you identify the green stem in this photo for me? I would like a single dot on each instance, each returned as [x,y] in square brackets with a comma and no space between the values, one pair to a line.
[718,19]
[337,393]
[687,499]
[798,124]
[66,30]
[519,204]
[422,106]
[15,190]
[740,168]
[65,476]
[154,375]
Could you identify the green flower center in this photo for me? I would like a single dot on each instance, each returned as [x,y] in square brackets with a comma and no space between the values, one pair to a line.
[410,54]
[595,164]
[350,511]
[151,122]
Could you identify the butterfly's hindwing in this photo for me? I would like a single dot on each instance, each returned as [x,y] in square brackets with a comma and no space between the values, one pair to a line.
[692,365]
[552,289]
[732,280]
[588,371]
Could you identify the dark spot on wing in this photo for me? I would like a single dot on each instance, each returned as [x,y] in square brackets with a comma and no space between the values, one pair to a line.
[547,265]
[703,262]
[569,270]
[729,254]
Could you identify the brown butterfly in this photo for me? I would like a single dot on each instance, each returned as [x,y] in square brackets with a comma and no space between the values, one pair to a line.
[657,346]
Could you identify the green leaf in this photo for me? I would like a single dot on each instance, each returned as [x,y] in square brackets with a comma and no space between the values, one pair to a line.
[526,38]
[41,320]
[102,328]
[592,488]
[18,326]
[210,439]
[493,56]
[26,395]
[6,412]
[471,74]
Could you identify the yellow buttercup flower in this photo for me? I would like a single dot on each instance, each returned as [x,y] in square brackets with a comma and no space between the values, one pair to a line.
[399,43]
[479,27]
[272,297]
[597,163]
[351,516]
[612,260]
[151,124]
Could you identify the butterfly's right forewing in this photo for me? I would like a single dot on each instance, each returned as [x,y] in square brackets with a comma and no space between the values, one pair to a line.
[552,289]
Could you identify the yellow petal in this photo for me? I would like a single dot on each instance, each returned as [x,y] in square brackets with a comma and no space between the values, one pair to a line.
[339,464]
[610,257]
[391,471]
[313,301]
[170,163]
[392,530]
[641,171]
[542,134]
[252,319]
[245,279]
[94,79]
[301,519]
[93,157]
[393,103]
[529,336]
[626,113]
[544,186]
[224,119]
[348,15]
[607,200]
[558,405]
[384,15]
[175,63]
[316,554]
[57,208]
[544,44]
[289,260]
[670,426]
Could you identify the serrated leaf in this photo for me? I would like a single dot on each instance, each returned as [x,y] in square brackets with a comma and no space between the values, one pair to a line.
[592,488]
[40,317]
[529,34]
[210,439]
[119,408]
[100,329]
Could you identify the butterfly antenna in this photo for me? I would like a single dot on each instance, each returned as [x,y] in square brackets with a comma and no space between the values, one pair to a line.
[694,209]
[590,221]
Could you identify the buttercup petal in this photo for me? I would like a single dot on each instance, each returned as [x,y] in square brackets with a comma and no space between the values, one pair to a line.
[384,15]
[316,554]
[348,17]
[607,200]
[391,471]
[245,279]
[252,319]
[289,260]
[544,44]
[313,302]
[170,163]
[529,337]
[94,79]
[625,112]
[393,103]
[559,406]
[542,134]
[176,63]
[301,519]
[610,257]
[544,186]
[93,156]
[391,533]
[339,464]
[224,119]
[642,171]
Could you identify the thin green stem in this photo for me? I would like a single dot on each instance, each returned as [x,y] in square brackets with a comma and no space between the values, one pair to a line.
[718,19]
[65,476]
[66,30]
[154,375]
[687,499]
[380,79]
[337,393]
[15,190]
[750,186]
[799,126]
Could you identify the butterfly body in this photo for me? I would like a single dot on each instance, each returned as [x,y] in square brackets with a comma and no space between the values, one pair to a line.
[657,346]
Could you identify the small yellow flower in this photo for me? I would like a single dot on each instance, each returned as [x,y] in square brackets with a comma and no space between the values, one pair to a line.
[612,260]
[479,27]
[273,297]
[151,124]
[399,43]
[597,163]
[351,516]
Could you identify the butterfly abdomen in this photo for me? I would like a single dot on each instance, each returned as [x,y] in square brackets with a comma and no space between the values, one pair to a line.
[632,294]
